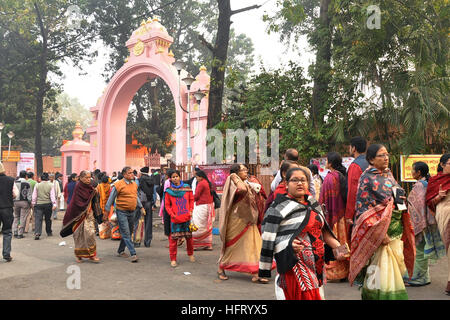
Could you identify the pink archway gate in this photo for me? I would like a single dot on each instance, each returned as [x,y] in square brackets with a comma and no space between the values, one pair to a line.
[149,58]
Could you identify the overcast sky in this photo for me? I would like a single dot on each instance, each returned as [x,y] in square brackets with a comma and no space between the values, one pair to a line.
[88,88]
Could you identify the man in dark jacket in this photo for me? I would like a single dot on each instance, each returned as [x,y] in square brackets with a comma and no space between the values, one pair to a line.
[145,193]
[8,191]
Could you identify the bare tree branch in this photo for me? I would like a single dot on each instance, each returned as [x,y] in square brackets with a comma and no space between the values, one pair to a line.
[206,43]
[256,6]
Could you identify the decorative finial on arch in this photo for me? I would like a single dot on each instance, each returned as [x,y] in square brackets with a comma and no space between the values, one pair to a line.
[78,132]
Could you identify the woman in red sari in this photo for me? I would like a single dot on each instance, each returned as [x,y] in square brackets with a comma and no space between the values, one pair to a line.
[80,216]
[203,214]
[332,198]
[438,200]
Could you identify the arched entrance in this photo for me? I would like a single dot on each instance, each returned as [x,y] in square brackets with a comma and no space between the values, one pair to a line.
[150,57]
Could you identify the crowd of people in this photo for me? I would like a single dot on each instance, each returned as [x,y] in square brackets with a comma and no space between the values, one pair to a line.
[356,224]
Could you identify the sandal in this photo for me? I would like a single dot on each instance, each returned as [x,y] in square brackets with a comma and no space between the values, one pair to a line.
[222,275]
[173,264]
[78,259]
[95,259]
[257,279]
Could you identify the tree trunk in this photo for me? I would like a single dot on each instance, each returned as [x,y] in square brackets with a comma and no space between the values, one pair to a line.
[219,59]
[41,94]
[219,63]
[322,67]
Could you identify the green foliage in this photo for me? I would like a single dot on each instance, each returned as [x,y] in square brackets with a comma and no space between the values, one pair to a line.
[279,99]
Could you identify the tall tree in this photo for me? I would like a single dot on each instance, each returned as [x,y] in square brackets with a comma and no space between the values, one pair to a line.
[219,59]
[46,29]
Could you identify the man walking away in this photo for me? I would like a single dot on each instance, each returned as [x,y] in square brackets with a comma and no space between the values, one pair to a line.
[30,218]
[124,193]
[43,202]
[22,204]
[8,191]
[57,195]
[145,192]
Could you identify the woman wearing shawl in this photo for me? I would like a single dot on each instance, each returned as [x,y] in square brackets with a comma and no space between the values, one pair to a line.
[203,214]
[438,200]
[332,198]
[80,217]
[282,187]
[382,243]
[427,238]
[296,232]
[241,239]
[179,203]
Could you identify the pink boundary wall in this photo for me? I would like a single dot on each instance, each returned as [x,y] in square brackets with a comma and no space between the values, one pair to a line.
[149,58]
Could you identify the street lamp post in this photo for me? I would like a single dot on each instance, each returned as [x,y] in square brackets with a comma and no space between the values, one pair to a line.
[189,80]
[1,129]
[10,136]
[198,96]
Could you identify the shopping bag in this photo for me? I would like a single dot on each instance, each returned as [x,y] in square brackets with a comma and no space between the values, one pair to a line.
[138,234]
[104,230]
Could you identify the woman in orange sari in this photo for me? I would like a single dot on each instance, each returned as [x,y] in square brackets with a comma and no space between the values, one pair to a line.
[241,240]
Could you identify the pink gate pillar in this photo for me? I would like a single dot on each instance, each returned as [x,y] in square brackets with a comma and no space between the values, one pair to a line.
[75,154]
[149,58]
[199,117]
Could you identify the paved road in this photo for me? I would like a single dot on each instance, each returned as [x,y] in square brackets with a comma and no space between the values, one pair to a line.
[39,271]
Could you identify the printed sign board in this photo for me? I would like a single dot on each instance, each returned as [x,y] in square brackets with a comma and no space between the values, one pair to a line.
[406,164]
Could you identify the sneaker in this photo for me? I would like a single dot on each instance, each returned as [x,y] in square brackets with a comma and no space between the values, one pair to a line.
[134,258]
[15,235]
[36,237]
[49,234]
[20,236]
[123,254]
[8,259]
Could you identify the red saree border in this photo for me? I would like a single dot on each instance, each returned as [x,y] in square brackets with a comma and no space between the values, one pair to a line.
[235,239]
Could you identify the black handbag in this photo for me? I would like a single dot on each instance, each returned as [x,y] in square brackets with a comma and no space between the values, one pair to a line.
[216,200]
